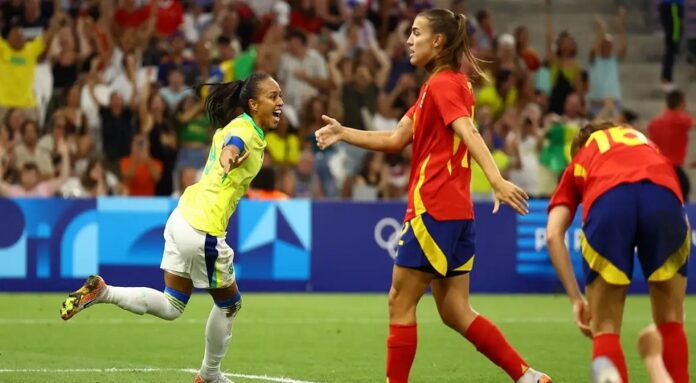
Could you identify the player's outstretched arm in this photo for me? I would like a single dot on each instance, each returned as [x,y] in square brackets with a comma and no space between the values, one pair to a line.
[387,141]
[559,220]
[505,191]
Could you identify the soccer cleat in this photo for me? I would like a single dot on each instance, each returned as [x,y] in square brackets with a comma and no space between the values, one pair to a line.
[218,379]
[534,376]
[83,297]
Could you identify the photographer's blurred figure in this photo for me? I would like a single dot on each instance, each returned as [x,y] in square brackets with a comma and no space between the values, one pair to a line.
[139,171]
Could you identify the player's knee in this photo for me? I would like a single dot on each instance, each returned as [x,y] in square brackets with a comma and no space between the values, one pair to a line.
[230,306]
[177,302]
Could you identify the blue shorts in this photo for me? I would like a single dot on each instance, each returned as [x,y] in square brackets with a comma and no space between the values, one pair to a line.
[444,248]
[641,216]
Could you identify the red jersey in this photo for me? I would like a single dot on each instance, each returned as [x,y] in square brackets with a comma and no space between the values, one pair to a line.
[612,157]
[440,172]
[670,132]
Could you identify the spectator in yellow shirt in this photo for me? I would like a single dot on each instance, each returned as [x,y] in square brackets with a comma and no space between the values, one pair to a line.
[17,65]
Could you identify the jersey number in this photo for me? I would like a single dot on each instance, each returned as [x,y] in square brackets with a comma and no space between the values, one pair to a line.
[619,135]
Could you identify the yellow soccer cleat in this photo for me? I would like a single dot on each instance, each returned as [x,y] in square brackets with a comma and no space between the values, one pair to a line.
[83,297]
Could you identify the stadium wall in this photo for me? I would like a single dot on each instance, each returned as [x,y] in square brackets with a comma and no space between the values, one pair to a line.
[296,245]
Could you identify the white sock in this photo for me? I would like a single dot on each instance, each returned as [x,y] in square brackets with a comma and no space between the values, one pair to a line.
[141,300]
[218,333]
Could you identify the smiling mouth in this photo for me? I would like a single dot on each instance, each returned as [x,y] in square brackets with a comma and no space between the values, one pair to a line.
[277,114]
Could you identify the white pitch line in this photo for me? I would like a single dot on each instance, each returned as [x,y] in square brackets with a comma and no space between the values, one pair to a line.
[263,378]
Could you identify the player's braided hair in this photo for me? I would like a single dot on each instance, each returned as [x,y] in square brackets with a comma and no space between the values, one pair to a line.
[454,28]
[585,133]
[224,100]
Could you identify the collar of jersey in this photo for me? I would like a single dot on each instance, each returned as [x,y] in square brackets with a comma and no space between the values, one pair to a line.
[258,130]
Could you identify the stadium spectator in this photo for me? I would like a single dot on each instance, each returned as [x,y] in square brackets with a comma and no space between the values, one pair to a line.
[371,182]
[18,60]
[118,126]
[357,25]
[263,187]
[670,132]
[30,180]
[302,181]
[187,176]
[29,151]
[157,122]
[13,121]
[564,70]
[139,170]
[283,143]
[94,181]
[672,21]
[305,17]
[176,90]
[302,70]
[524,51]
[524,142]
[604,80]
[194,134]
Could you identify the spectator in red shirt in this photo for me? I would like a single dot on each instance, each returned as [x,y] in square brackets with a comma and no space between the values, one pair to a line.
[139,170]
[306,18]
[670,132]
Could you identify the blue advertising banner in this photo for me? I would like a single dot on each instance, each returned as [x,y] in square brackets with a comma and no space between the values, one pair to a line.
[296,245]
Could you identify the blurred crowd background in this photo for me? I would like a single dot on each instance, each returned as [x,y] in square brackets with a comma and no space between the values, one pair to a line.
[97,97]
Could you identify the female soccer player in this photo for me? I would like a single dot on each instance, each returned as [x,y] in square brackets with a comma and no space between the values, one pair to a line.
[437,244]
[195,252]
[631,199]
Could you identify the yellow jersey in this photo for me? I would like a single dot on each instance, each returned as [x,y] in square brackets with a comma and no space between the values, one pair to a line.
[17,73]
[208,204]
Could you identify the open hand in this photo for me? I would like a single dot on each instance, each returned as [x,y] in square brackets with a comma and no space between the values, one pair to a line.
[234,162]
[581,313]
[329,134]
[512,195]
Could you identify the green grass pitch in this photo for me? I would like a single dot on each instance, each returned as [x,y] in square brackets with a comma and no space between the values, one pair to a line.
[298,337]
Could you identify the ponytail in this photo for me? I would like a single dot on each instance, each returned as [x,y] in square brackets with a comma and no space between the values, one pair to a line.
[454,28]
[224,99]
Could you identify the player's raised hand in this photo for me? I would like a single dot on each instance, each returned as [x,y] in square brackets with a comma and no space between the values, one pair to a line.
[581,312]
[234,162]
[510,194]
[329,134]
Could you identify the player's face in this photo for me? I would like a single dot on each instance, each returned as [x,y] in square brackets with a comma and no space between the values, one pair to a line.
[422,43]
[268,104]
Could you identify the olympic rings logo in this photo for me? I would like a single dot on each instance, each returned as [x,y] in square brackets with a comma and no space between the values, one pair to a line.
[392,228]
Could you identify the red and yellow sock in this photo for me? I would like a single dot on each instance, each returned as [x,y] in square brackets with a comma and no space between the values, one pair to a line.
[401,350]
[491,342]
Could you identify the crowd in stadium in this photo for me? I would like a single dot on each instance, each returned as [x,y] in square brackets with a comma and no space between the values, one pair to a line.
[98,97]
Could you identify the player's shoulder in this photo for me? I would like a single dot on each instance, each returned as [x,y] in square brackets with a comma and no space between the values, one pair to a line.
[450,78]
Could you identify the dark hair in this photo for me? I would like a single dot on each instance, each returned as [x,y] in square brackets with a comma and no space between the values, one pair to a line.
[265,179]
[481,15]
[26,123]
[224,99]
[30,166]
[675,99]
[560,37]
[454,28]
[630,116]
[298,34]
[586,131]
[86,178]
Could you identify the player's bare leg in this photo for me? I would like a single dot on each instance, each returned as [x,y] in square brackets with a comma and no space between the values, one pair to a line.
[139,300]
[218,333]
[408,287]
[452,299]
[650,350]
[606,303]
[667,299]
